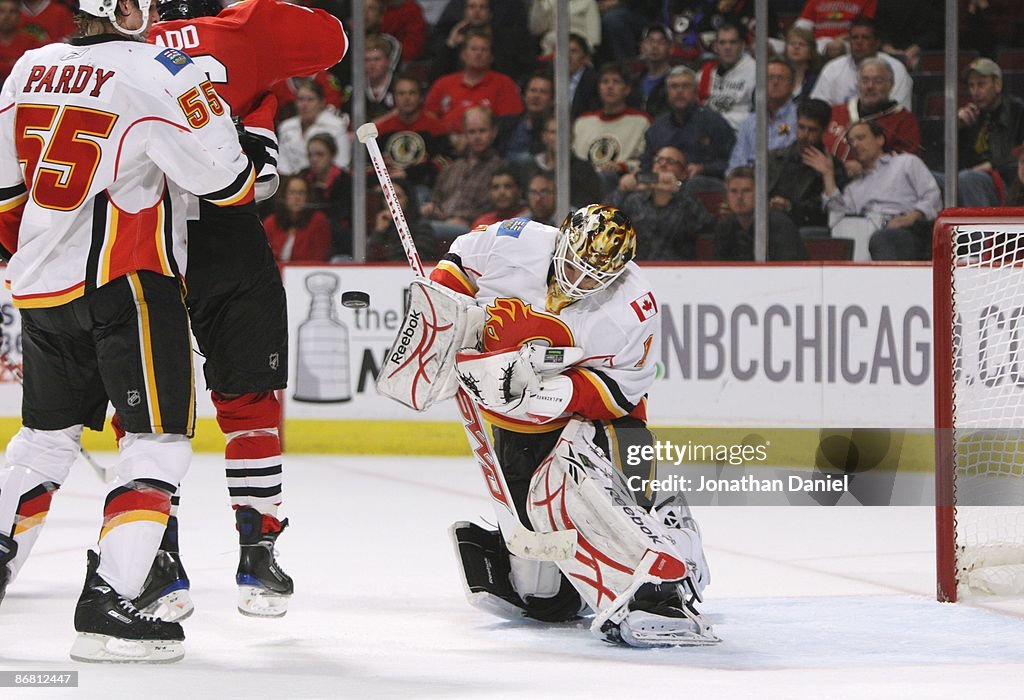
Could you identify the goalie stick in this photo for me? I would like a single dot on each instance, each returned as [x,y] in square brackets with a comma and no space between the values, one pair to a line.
[107,475]
[520,541]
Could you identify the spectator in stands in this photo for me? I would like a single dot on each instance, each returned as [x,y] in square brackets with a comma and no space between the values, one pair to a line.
[703,18]
[582,77]
[296,232]
[383,243]
[648,90]
[521,137]
[906,27]
[621,27]
[403,19]
[378,68]
[991,126]
[373,10]
[838,80]
[667,220]
[584,183]
[461,192]
[734,232]
[700,133]
[781,117]
[313,118]
[611,139]
[499,18]
[540,196]
[475,84]
[1015,192]
[506,198]
[802,54]
[727,84]
[14,40]
[584,19]
[48,21]
[896,193]
[330,191]
[795,188]
[872,103]
[413,141]
[832,22]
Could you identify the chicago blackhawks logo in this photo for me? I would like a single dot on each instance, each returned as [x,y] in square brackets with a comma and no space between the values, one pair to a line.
[606,149]
[407,148]
[512,322]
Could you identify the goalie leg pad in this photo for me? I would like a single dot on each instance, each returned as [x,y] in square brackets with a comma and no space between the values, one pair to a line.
[508,586]
[486,573]
[418,370]
[621,546]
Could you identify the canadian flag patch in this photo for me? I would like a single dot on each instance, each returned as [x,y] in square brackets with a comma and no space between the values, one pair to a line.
[644,306]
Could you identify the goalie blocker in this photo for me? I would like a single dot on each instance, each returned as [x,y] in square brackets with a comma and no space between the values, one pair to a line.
[640,573]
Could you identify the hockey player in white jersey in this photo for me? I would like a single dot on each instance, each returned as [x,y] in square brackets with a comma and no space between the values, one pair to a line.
[92,136]
[561,437]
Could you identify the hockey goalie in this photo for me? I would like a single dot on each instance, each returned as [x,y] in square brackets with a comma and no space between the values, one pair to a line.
[550,332]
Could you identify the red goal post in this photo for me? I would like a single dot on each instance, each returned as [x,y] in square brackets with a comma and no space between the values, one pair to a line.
[978,320]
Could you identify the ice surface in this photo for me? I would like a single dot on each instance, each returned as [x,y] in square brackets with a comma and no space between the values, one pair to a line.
[811,603]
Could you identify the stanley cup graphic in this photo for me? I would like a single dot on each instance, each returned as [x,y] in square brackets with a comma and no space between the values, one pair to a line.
[322,369]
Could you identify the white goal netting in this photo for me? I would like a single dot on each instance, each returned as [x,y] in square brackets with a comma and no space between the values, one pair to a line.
[988,407]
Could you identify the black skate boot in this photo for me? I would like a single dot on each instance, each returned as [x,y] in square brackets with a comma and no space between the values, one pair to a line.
[263,587]
[165,594]
[112,630]
[8,550]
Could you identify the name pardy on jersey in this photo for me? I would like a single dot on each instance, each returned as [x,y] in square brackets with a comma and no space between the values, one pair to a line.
[72,80]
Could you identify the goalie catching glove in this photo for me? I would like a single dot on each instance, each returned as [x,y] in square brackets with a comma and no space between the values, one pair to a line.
[524,382]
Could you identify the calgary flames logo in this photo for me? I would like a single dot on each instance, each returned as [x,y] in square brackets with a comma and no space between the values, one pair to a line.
[512,322]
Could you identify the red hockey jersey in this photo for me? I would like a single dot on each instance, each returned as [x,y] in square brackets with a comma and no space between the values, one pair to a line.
[253,45]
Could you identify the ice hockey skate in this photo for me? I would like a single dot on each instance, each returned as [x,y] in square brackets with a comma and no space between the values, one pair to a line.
[264,589]
[8,549]
[166,592]
[661,616]
[112,630]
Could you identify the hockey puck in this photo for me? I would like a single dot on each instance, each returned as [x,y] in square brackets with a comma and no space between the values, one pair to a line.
[355,300]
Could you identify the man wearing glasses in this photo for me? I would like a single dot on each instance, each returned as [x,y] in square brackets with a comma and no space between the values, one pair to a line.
[667,220]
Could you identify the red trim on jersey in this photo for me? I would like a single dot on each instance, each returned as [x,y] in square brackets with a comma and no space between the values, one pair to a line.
[134,241]
[449,275]
[48,299]
[120,145]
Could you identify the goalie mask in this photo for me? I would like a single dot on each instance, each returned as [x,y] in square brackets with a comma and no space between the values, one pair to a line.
[594,245]
[187,9]
[107,9]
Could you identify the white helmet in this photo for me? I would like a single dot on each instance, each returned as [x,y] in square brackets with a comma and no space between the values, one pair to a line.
[108,9]
[596,241]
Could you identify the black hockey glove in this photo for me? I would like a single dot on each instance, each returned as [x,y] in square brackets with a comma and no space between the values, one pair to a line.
[254,146]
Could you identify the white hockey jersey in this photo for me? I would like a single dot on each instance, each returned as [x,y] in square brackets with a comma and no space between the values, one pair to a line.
[90,135]
[506,267]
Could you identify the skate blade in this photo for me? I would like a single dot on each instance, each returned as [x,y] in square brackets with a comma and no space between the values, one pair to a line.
[173,607]
[646,631]
[661,641]
[259,602]
[102,648]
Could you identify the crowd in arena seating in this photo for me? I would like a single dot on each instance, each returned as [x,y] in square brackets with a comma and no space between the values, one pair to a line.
[663,123]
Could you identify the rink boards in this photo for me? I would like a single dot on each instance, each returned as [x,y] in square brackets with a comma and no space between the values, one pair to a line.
[783,348]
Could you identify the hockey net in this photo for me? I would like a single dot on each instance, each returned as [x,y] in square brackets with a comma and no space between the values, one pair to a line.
[979,402]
